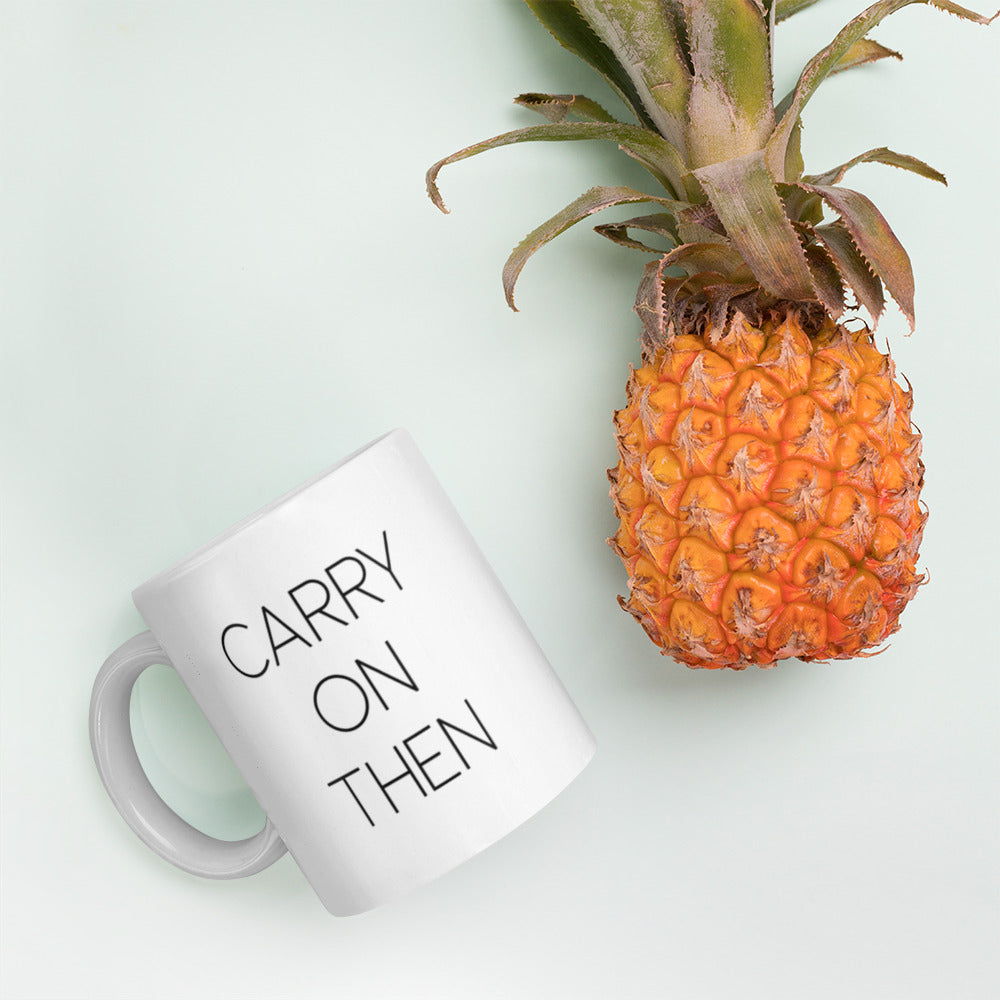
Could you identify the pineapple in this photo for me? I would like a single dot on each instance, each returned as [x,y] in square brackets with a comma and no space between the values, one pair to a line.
[769,473]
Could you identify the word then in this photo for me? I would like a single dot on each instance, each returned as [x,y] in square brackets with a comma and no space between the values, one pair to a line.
[424,761]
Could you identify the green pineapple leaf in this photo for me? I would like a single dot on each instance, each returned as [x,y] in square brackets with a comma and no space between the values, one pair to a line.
[644,39]
[594,200]
[853,268]
[880,155]
[794,164]
[715,275]
[700,224]
[744,197]
[652,151]
[560,107]
[861,53]
[877,243]
[730,109]
[569,27]
[801,206]
[786,8]
[826,278]
[651,304]
[826,62]
[660,224]
[697,258]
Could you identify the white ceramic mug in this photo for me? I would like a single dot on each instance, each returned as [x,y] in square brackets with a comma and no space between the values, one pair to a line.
[367,673]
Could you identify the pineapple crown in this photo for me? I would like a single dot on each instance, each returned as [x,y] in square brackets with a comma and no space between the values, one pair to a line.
[745,222]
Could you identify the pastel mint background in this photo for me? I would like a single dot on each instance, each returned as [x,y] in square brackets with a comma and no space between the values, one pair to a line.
[220,273]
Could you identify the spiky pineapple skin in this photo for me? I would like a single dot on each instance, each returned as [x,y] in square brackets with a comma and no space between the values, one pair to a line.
[768,492]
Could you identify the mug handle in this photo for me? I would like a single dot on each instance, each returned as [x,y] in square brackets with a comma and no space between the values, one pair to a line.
[153,821]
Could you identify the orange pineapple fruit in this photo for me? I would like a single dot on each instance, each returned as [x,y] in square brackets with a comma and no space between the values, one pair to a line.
[768,491]
[769,474]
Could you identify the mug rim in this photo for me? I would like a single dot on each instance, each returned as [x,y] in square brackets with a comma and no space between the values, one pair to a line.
[203,552]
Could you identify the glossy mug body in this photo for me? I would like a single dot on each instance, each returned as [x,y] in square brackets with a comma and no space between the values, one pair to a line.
[369,676]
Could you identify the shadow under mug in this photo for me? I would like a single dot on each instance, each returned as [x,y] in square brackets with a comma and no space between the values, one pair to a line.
[370,678]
